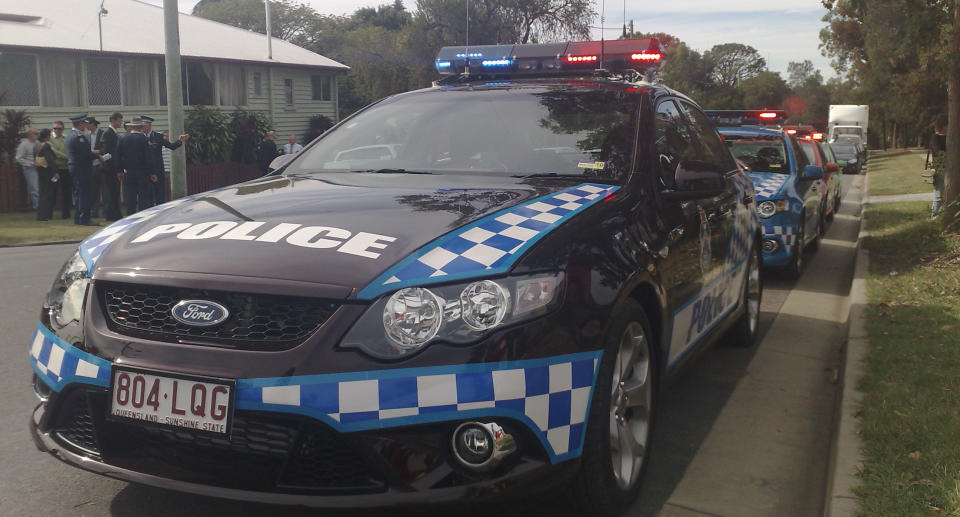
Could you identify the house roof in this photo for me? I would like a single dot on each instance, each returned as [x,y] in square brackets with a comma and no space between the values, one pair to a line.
[135,27]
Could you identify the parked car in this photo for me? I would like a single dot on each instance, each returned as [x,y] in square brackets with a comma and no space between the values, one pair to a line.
[830,185]
[459,293]
[786,183]
[849,156]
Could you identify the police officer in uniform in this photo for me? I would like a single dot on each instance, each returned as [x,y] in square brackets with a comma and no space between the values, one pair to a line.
[80,158]
[155,144]
[138,180]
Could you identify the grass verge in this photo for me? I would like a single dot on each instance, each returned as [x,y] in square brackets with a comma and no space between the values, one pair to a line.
[911,410]
[23,228]
[897,174]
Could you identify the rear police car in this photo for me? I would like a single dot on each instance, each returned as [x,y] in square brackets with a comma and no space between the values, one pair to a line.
[788,187]
[462,292]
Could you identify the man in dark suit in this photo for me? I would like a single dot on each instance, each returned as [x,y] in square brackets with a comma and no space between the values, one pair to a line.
[80,158]
[267,151]
[156,141]
[110,173]
[96,177]
[138,180]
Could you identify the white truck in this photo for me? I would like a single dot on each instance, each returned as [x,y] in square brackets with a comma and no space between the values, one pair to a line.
[848,120]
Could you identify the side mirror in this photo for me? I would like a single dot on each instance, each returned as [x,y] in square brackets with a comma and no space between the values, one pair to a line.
[696,180]
[842,163]
[832,167]
[280,161]
[812,172]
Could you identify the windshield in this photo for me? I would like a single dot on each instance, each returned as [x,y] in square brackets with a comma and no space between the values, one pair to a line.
[509,131]
[847,131]
[760,154]
[844,149]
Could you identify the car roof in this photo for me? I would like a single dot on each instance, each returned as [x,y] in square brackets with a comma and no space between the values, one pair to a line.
[585,82]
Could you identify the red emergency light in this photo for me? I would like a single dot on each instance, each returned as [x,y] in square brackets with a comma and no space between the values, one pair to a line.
[818,136]
[582,59]
[768,115]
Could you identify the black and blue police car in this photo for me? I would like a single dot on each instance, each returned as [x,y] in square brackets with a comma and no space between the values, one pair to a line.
[787,185]
[457,293]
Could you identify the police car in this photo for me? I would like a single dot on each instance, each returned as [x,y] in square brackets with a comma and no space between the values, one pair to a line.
[462,292]
[788,187]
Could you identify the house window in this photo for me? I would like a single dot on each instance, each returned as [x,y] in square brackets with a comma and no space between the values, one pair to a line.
[232,85]
[138,82]
[288,92]
[60,81]
[321,87]
[200,79]
[103,81]
[257,89]
[18,80]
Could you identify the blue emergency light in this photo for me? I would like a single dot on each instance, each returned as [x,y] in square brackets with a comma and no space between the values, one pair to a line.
[733,118]
[550,58]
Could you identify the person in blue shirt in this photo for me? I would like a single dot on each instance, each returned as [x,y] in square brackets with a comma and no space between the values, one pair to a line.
[156,141]
[80,159]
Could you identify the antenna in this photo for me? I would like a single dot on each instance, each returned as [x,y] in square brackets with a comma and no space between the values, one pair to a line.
[603,6]
[625,19]
[466,44]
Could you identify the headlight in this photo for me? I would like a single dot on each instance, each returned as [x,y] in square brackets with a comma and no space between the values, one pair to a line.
[409,319]
[771,208]
[64,301]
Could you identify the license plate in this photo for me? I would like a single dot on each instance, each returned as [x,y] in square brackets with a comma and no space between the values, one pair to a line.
[173,400]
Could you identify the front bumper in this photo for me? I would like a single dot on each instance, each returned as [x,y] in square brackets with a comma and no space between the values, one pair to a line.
[391,429]
[404,454]
[782,230]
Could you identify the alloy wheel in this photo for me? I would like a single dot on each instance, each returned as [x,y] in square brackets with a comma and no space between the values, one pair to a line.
[630,405]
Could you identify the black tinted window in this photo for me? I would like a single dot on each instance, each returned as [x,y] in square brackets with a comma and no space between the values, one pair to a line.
[674,142]
[510,131]
[760,153]
[801,157]
[712,149]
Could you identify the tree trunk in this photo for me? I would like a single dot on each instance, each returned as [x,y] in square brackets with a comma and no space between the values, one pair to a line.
[951,190]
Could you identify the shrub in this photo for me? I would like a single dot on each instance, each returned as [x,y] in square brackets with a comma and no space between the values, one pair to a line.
[318,124]
[210,137]
[248,128]
[14,122]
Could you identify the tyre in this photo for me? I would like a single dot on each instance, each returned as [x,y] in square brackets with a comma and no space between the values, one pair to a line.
[743,333]
[617,442]
[795,268]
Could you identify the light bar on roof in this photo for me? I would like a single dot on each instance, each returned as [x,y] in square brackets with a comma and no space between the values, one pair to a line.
[550,58]
[747,117]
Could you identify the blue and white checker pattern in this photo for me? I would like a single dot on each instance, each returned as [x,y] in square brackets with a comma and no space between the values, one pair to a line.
[58,363]
[787,234]
[490,245]
[551,396]
[93,246]
[745,222]
[766,185]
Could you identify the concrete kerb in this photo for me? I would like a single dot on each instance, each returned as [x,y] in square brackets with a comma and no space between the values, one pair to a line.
[846,458]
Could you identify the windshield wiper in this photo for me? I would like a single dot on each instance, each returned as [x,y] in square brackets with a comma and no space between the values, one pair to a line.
[392,171]
[554,175]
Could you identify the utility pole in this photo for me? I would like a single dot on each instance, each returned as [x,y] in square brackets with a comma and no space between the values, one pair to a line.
[171,36]
[266,3]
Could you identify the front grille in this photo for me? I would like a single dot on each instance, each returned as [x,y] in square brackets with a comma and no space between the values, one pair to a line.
[272,453]
[256,322]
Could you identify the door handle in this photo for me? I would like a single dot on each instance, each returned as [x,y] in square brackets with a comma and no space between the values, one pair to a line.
[747,199]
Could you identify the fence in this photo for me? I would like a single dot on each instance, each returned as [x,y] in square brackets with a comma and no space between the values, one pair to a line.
[200,178]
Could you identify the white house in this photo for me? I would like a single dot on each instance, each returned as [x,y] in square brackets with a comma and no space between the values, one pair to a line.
[61,57]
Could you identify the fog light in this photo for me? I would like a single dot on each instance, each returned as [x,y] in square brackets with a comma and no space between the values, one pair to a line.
[482,446]
[769,245]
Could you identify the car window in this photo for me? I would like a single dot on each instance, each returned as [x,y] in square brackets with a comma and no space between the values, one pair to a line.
[810,151]
[759,153]
[801,157]
[712,149]
[673,142]
[828,153]
[508,131]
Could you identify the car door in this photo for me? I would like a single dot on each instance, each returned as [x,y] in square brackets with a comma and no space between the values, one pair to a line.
[684,255]
[720,209]
[807,190]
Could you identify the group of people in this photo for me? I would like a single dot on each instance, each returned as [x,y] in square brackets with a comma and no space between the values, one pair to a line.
[267,150]
[92,168]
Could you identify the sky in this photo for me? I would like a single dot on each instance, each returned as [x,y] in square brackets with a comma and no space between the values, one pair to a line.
[782,31]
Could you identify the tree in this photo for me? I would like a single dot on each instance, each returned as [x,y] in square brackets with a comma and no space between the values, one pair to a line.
[667,41]
[799,72]
[951,213]
[504,21]
[766,90]
[687,71]
[734,62]
[288,20]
